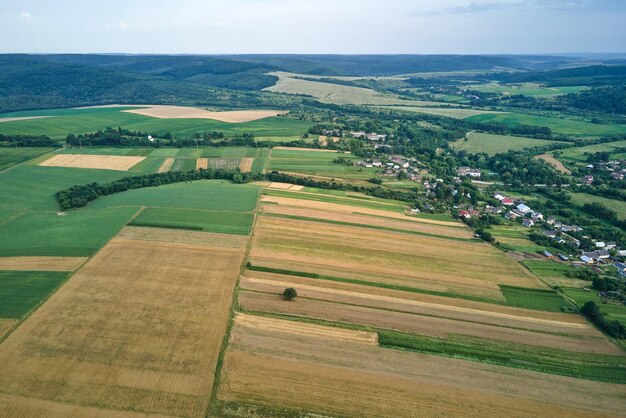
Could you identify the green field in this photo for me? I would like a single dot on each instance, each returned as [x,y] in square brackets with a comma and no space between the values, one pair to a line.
[553,273]
[12,156]
[514,237]
[202,194]
[317,163]
[615,205]
[612,311]
[527,89]
[493,144]
[579,154]
[22,291]
[557,125]
[211,221]
[77,233]
[65,121]
[539,299]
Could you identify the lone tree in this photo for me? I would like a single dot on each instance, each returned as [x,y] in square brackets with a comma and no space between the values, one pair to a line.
[290,293]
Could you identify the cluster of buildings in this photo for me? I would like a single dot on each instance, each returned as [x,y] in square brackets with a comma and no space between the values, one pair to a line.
[613,170]
[394,166]
[468,172]
[372,136]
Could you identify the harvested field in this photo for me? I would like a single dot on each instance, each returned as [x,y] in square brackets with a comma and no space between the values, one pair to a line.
[419,304]
[202,163]
[166,166]
[425,324]
[308,149]
[401,224]
[139,327]
[18,406]
[224,163]
[41,263]
[5,326]
[300,328]
[347,208]
[22,118]
[182,112]
[245,165]
[355,379]
[182,238]
[103,162]
[284,186]
[554,163]
[386,257]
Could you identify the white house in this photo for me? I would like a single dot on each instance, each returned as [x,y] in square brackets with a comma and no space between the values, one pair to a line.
[522,208]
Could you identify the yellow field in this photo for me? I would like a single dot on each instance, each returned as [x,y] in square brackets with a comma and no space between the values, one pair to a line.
[139,327]
[183,112]
[554,163]
[41,263]
[202,163]
[6,325]
[166,166]
[245,165]
[328,376]
[471,268]
[104,162]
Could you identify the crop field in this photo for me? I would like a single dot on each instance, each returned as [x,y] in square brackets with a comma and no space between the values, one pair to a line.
[103,162]
[335,93]
[527,89]
[557,125]
[194,219]
[615,205]
[22,291]
[203,194]
[12,156]
[317,164]
[183,112]
[554,273]
[385,257]
[346,376]
[494,144]
[161,311]
[612,311]
[65,121]
[450,112]
[554,163]
[41,263]
[515,238]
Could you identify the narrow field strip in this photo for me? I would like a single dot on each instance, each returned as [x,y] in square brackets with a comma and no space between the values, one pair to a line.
[245,165]
[202,163]
[166,166]
[41,263]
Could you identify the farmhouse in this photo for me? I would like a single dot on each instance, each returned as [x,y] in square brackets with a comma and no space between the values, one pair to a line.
[508,201]
[522,208]
[467,171]
[528,223]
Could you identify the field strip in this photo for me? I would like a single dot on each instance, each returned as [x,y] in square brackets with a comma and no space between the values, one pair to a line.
[182,238]
[183,112]
[308,149]
[336,207]
[344,198]
[139,327]
[280,370]
[245,165]
[166,166]
[103,162]
[301,328]
[397,303]
[41,263]
[284,186]
[19,406]
[202,163]
[419,324]
[558,165]
[22,118]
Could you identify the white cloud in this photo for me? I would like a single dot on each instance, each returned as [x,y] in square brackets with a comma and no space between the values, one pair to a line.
[122,25]
[26,16]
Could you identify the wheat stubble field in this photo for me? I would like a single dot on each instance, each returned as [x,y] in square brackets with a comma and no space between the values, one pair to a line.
[138,328]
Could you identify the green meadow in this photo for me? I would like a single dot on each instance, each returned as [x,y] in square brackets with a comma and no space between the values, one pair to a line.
[13,156]
[579,154]
[491,144]
[557,125]
[615,205]
[62,122]
[318,163]
[202,220]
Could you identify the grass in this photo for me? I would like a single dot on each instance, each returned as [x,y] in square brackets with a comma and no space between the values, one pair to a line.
[22,291]
[615,205]
[613,310]
[557,125]
[494,144]
[13,156]
[515,238]
[579,154]
[553,273]
[547,360]
[527,89]
[210,221]
[318,163]
[78,233]
[203,194]
[538,299]
[65,121]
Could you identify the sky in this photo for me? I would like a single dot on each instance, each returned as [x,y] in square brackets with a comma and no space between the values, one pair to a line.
[317,26]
